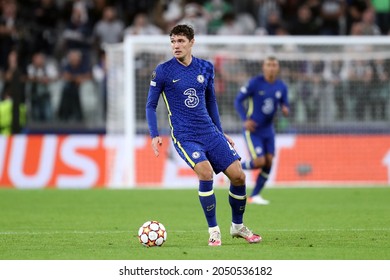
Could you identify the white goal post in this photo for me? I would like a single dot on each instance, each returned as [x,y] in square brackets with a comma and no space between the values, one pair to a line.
[328,79]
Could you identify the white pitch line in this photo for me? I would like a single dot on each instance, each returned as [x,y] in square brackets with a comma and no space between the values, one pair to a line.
[57,232]
[178,231]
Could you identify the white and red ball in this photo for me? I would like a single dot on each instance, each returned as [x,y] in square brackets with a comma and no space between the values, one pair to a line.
[152,233]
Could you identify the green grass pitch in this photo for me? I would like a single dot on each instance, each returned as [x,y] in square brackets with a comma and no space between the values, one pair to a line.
[101,224]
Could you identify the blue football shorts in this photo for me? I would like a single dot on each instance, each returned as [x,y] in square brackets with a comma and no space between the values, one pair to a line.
[259,145]
[216,149]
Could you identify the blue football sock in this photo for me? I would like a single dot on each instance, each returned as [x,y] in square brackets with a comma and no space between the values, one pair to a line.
[260,181]
[208,201]
[237,201]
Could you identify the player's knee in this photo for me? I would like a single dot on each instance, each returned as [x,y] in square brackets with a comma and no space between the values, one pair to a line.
[204,171]
[238,179]
[259,162]
[268,161]
[205,174]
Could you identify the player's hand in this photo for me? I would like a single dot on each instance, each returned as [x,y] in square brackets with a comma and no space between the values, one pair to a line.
[156,142]
[230,140]
[250,125]
[285,111]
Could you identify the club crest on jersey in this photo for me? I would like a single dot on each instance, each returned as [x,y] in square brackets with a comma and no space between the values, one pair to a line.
[195,155]
[200,78]
[278,94]
[153,75]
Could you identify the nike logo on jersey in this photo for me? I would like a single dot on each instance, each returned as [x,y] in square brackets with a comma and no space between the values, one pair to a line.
[174,81]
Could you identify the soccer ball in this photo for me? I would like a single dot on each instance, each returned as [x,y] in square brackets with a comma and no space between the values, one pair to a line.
[152,233]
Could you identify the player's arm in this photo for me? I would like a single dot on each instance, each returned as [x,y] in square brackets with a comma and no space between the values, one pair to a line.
[156,143]
[239,102]
[285,110]
[284,102]
[155,88]
[211,104]
[230,140]
[243,94]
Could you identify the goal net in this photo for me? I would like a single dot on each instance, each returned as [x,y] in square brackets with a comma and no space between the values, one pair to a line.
[338,86]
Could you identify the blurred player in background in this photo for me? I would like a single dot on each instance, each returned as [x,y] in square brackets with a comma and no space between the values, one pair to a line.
[257,104]
[186,84]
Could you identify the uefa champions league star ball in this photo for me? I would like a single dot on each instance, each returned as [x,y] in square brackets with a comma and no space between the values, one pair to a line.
[152,233]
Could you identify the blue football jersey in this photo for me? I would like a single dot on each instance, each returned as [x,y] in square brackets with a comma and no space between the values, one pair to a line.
[263,98]
[188,93]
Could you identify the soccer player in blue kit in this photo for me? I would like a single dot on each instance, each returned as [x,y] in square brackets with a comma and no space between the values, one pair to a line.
[186,84]
[263,94]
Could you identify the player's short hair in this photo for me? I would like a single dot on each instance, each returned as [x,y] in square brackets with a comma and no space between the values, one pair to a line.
[184,30]
[271,57]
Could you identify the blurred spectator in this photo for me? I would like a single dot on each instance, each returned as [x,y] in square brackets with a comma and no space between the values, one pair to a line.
[281,31]
[74,74]
[229,25]
[273,23]
[265,7]
[6,115]
[247,23]
[380,89]
[195,16]
[45,25]
[109,29]
[315,8]
[128,9]
[40,75]
[9,30]
[310,83]
[14,90]
[96,11]
[382,10]
[99,75]
[288,9]
[369,26]
[336,77]
[216,9]
[304,24]
[172,12]
[332,13]
[142,26]
[360,77]
[78,33]
[67,7]
[6,120]
[354,12]
[357,29]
